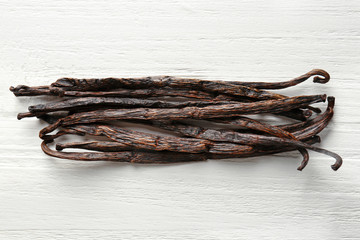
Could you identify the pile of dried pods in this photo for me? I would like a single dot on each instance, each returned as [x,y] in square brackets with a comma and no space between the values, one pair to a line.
[90,106]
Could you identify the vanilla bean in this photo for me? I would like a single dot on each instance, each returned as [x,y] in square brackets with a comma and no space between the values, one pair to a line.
[231,88]
[126,156]
[104,84]
[104,102]
[83,85]
[325,77]
[216,111]
[23,90]
[158,157]
[41,109]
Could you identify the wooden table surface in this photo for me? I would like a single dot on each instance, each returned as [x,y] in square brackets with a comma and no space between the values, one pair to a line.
[254,198]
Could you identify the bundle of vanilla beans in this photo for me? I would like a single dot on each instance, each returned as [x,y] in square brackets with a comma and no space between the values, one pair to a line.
[206,119]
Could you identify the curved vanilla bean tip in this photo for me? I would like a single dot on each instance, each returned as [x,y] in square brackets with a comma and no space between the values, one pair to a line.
[337,164]
[338,159]
[88,156]
[50,128]
[305,160]
[325,76]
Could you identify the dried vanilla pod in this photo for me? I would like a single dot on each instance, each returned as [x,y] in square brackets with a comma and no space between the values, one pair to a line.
[90,106]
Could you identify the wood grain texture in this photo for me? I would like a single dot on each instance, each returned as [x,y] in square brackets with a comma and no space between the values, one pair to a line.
[261,198]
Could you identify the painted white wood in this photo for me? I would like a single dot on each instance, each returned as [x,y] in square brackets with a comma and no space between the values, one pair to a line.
[262,198]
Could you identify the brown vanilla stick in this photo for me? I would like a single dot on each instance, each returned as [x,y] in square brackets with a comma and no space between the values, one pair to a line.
[160,157]
[216,111]
[325,77]
[71,84]
[105,102]
[238,89]
[153,83]
[105,84]
[23,90]
[126,156]
[86,104]
[107,146]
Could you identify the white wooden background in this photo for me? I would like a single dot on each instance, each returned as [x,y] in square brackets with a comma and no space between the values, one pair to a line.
[264,198]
